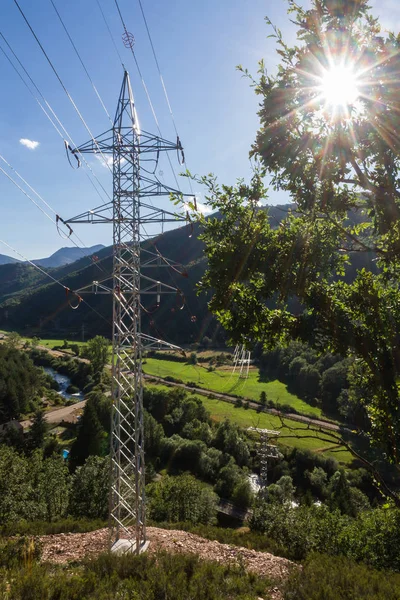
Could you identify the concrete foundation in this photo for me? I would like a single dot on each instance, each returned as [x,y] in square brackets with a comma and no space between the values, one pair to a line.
[128,546]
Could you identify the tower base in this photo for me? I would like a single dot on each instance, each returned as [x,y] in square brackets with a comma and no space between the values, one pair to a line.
[129,547]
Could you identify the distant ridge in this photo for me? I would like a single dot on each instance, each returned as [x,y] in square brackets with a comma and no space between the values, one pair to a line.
[66,256]
[63,256]
[7,260]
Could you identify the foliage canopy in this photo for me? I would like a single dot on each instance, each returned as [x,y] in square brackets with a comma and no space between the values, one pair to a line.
[340,164]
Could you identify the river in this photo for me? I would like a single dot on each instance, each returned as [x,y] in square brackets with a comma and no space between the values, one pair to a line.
[63,382]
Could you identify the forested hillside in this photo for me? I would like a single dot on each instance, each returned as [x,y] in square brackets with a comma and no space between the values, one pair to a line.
[33,305]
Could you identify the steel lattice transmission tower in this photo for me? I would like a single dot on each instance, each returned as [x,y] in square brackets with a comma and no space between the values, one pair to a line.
[266,453]
[128,213]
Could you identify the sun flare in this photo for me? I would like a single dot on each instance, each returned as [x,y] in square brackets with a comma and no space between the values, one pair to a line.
[339,87]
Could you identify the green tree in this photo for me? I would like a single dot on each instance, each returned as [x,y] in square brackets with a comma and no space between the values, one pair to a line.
[242,494]
[13,340]
[263,398]
[90,437]
[37,431]
[182,498]
[340,164]
[230,439]
[192,358]
[153,435]
[282,491]
[97,352]
[15,486]
[55,487]
[89,491]
[318,479]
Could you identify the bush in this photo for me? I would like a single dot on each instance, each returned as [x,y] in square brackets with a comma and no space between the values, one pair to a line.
[72,389]
[173,379]
[327,578]
[182,498]
[26,528]
[21,550]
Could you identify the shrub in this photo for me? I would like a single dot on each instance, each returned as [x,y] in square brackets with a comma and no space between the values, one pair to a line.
[182,498]
[327,578]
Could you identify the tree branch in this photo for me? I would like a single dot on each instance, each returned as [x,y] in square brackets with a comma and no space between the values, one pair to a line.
[352,237]
[339,440]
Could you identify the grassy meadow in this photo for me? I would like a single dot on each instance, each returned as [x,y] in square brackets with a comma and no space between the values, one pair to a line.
[223,381]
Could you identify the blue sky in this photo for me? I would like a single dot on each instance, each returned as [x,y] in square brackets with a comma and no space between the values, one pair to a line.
[198,46]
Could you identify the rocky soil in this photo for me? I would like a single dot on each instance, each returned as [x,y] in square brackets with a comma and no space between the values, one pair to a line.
[64,547]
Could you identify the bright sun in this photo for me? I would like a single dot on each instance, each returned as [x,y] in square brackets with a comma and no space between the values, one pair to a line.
[339,86]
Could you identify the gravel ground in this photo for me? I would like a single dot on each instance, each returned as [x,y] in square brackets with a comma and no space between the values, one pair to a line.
[64,547]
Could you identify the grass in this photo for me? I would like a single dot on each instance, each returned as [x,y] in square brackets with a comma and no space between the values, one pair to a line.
[220,410]
[52,343]
[224,382]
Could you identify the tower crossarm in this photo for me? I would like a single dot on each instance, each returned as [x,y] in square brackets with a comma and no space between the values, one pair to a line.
[149,214]
[147,143]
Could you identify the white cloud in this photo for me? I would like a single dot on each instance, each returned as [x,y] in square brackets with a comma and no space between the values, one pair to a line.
[108,160]
[203,208]
[29,143]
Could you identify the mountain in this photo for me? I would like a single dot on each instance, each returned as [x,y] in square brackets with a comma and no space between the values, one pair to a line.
[66,256]
[31,304]
[5,260]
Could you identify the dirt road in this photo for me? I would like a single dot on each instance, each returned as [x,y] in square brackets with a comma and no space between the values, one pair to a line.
[60,414]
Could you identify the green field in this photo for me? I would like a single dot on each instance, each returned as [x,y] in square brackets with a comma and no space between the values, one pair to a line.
[292,438]
[222,381]
[52,343]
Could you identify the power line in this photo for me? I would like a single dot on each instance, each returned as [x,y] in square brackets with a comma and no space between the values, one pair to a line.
[55,222]
[62,85]
[82,63]
[26,194]
[66,288]
[110,34]
[161,77]
[146,91]
[52,112]
[158,67]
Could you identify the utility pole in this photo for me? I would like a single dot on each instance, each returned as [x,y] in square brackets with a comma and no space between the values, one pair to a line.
[132,152]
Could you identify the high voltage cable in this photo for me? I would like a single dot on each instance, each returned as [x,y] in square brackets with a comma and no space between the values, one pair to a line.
[161,78]
[82,63]
[38,206]
[111,35]
[66,288]
[140,75]
[146,92]
[29,89]
[52,112]
[62,85]
[27,195]
[158,67]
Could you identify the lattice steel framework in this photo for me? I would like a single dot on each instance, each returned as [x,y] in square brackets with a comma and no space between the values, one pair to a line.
[266,453]
[132,150]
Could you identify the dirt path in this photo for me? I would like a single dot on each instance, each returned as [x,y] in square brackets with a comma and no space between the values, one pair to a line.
[65,547]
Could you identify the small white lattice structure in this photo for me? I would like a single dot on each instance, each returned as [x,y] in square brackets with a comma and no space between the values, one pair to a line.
[241,360]
[266,452]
